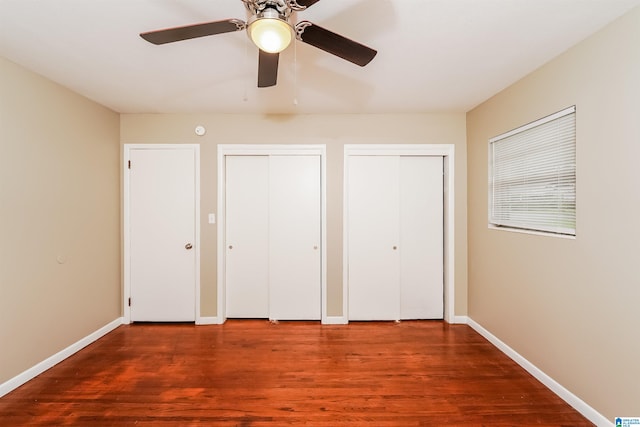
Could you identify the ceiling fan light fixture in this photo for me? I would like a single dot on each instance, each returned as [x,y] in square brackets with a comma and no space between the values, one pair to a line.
[270,32]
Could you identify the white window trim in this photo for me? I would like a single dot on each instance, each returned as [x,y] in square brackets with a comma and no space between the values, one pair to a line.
[535,123]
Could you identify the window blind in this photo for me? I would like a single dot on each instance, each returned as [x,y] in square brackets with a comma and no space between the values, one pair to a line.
[532,176]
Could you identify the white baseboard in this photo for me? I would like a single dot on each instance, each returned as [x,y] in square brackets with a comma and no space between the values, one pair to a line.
[36,370]
[578,404]
[214,320]
[342,320]
[459,320]
[335,320]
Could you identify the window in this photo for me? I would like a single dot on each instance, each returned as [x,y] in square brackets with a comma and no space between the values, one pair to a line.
[532,176]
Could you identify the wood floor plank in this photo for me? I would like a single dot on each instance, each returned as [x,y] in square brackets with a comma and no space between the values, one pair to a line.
[252,373]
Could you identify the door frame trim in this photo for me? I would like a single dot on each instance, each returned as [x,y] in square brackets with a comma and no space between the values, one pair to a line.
[126,221]
[447,151]
[265,150]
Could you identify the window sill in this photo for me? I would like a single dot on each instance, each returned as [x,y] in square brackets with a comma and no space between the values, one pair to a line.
[534,232]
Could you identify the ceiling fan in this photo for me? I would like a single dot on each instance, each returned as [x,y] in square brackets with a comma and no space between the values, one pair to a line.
[269,28]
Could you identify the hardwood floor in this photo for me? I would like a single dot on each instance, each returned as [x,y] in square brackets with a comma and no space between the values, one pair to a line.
[252,373]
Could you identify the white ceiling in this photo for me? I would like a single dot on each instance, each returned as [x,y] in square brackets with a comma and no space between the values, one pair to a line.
[433,55]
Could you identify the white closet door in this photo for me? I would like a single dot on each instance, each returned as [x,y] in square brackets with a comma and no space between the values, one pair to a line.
[421,238]
[162,226]
[395,237]
[373,238]
[294,237]
[247,236]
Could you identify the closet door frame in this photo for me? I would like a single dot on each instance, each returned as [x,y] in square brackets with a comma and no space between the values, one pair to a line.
[267,150]
[447,152]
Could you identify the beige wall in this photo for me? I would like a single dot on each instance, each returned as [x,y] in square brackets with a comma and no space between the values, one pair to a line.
[332,130]
[570,306]
[59,197]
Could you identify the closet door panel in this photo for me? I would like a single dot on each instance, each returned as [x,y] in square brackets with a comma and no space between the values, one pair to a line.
[373,238]
[295,237]
[247,236]
[421,237]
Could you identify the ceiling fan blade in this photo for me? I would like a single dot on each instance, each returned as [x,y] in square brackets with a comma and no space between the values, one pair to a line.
[267,69]
[307,3]
[334,43]
[170,35]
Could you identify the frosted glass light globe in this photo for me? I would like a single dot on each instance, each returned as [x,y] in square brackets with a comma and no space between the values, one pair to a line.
[271,35]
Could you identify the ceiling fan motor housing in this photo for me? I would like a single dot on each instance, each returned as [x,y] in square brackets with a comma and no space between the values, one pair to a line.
[256,8]
[268,13]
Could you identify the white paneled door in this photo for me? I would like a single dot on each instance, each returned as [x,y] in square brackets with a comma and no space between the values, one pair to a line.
[395,237]
[273,237]
[162,204]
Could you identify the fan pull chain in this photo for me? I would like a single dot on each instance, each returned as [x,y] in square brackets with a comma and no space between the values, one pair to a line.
[245,95]
[295,71]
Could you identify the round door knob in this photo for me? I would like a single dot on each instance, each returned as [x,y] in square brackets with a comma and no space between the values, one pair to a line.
[188,246]
[395,247]
[315,247]
[230,246]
